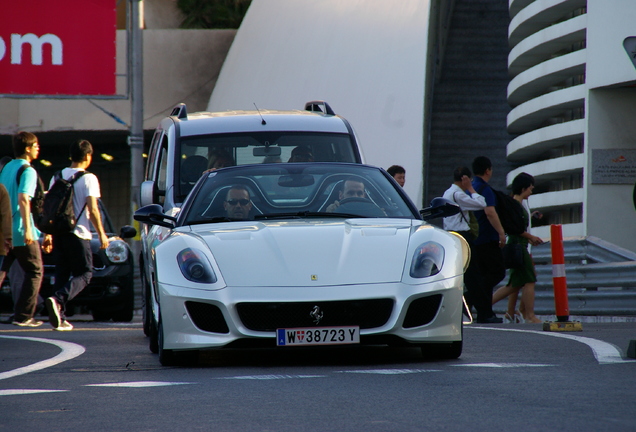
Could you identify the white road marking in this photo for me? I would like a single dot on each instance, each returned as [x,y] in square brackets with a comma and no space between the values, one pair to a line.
[502,365]
[271,377]
[11,392]
[389,371]
[139,384]
[69,351]
[605,352]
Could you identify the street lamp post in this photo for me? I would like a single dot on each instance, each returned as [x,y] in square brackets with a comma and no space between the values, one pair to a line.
[136,137]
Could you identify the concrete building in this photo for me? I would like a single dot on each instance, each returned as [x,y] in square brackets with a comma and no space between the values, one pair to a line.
[574,104]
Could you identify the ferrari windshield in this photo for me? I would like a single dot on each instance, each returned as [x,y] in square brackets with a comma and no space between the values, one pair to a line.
[283,191]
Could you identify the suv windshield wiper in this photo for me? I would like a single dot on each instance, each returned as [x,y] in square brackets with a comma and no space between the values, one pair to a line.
[304,214]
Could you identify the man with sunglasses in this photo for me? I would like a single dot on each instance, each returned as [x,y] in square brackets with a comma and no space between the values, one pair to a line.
[238,204]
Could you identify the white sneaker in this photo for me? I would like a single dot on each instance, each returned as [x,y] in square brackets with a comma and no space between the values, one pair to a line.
[31,322]
[54,309]
[64,326]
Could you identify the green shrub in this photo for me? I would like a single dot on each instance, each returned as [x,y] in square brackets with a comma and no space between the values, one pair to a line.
[210,14]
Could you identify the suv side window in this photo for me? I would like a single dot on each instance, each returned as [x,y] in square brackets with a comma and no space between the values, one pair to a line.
[162,172]
[152,156]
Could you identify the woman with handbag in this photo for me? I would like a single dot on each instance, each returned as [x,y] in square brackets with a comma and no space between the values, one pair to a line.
[522,277]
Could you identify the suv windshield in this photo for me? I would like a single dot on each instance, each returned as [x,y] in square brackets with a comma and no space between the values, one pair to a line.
[202,152]
[283,191]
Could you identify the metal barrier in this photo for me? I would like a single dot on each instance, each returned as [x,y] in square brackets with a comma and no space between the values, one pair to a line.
[601,278]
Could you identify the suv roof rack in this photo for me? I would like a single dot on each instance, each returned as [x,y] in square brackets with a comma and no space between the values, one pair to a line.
[319,106]
[180,111]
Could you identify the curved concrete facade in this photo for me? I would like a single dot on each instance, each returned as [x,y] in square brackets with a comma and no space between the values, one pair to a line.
[572,93]
[366,58]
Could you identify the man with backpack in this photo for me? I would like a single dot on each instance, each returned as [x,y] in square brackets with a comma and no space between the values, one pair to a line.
[26,247]
[487,246]
[74,258]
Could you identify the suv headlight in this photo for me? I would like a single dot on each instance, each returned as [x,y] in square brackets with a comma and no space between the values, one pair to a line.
[117,251]
[195,266]
[427,260]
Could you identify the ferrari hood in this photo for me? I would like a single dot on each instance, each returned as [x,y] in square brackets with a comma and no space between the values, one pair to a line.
[309,252]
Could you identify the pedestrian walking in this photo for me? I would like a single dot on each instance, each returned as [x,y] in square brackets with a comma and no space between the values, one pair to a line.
[488,245]
[398,173]
[464,195]
[522,278]
[25,236]
[74,258]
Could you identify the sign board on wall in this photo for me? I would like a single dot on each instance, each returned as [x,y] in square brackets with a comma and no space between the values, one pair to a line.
[614,166]
[58,47]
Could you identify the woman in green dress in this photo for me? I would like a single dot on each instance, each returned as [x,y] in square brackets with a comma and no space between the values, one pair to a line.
[521,278]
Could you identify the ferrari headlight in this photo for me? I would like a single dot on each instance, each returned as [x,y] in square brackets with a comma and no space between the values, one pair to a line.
[466,254]
[195,266]
[427,260]
[117,251]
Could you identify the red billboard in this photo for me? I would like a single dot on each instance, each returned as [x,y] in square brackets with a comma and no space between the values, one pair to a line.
[58,47]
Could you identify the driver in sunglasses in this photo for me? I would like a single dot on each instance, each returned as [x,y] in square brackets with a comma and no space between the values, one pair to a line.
[238,203]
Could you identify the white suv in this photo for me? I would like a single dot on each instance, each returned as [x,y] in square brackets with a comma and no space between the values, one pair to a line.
[185,145]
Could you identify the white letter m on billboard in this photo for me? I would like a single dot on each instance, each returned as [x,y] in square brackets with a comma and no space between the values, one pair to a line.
[36,48]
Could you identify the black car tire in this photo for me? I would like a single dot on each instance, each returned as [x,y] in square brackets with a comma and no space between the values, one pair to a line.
[124,315]
[145,298]
[444,351]
[166,357]
[153,335]
[100,315]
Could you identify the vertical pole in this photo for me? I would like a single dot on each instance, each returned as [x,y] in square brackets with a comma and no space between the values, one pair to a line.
[558,274]
[136,137]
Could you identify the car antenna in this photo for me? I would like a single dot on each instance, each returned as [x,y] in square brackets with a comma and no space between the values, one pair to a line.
[263,122]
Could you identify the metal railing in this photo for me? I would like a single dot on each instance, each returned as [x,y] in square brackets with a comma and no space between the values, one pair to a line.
[601,278]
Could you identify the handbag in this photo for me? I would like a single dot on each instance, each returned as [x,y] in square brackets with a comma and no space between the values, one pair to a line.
[513,255]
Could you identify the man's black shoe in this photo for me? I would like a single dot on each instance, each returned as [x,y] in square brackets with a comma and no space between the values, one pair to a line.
[490,320]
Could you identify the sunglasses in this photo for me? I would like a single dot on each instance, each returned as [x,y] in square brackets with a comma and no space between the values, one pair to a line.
[234,202]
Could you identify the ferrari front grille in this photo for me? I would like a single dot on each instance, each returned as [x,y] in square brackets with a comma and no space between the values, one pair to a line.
[366,314]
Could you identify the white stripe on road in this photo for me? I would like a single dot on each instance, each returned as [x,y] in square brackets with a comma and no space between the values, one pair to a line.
[389,371]
[69,351]
[139,384]
[271,377]
[11,392]
[605,352]
[502,365]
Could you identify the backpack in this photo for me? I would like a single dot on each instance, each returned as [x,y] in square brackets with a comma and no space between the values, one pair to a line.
[58,215]
[37,201]
[473,225]
[38,198]
[510,213]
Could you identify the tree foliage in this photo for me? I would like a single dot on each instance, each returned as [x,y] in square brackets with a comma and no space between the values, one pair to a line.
[210,14]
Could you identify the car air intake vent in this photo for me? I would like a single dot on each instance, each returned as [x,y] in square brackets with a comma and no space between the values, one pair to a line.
[207,317]
[271,316]
[422,311]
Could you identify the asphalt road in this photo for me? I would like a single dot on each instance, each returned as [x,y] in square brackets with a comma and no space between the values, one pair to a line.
[101,377]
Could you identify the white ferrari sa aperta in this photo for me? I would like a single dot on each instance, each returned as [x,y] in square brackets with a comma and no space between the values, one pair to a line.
[299,255]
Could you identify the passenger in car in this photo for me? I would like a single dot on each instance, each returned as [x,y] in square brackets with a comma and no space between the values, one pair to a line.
[238,203]
[218,158]
[301,153]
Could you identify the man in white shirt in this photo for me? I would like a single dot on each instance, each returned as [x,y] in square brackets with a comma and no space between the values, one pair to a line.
[464,195]
[74,264]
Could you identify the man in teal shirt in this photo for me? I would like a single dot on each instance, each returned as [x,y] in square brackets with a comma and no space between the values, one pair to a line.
[26,248]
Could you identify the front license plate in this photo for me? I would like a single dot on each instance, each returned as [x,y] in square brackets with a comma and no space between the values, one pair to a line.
[318,336]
